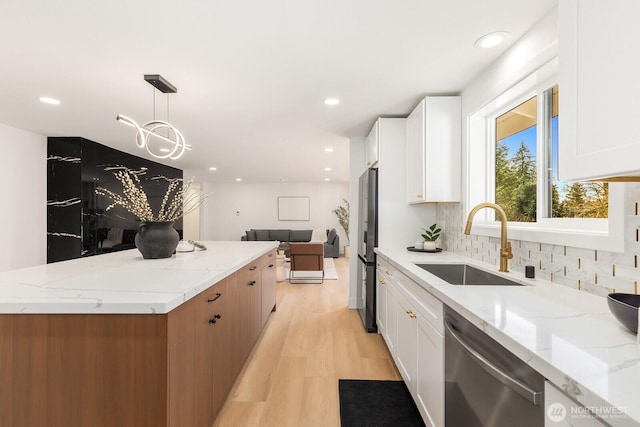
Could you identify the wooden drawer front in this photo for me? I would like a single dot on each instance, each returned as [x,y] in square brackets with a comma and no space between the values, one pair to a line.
[264,260]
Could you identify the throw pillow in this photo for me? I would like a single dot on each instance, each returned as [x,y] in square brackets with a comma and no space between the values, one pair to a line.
[332,236]
[251,235]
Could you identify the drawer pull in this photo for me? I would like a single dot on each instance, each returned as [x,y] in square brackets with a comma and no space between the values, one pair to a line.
[251,283]
[270,265]
[218,295]
[419,196]
[388,272]
[383,282]
[270,254]
[253,268]
[379,265]
[411,313]
[215,318]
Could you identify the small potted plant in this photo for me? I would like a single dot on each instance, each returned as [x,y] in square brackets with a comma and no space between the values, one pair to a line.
[430,236]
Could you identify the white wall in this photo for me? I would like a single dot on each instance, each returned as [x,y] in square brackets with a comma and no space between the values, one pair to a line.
[233,208]
[191,221]
[357,165]
[23,185]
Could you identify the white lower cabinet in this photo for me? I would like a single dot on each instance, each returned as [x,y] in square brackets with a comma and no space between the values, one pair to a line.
[429,379]
[406,351]
[414,332]
[562,411]
[391,328]
[381,302]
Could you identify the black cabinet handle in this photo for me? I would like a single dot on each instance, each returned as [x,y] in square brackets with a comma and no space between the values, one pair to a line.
[253,268]
[215,318]
[271,254]
[218,295]
[251,283]
[270,265]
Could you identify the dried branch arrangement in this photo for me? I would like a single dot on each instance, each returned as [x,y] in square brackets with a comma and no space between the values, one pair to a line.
[177,202]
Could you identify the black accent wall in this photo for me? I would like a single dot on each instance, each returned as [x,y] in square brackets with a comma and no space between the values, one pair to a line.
[77,223]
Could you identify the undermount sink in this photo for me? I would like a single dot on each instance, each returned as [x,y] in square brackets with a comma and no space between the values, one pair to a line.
[463,274]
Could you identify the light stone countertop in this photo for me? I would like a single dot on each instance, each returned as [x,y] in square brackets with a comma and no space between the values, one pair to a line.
[123,282]
[567,335]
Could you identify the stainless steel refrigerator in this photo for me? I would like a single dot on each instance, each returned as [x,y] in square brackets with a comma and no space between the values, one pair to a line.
[367,241]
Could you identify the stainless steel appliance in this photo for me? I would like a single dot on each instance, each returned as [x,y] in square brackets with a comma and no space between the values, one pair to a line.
[485,384]
[367,241]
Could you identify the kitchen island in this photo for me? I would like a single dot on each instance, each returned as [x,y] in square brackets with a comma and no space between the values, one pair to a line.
[115,340]
[568,336]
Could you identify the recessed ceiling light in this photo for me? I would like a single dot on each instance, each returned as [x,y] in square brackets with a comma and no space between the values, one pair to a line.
[213,169]
[48,100]
[328,150]
[238,179]
[327,169]
[332,101]
[327,179]
[491,39]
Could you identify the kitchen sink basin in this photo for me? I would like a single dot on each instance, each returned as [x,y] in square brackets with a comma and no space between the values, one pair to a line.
[463,274]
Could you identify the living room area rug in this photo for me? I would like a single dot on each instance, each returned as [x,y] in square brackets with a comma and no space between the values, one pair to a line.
[373,403]
[330,272]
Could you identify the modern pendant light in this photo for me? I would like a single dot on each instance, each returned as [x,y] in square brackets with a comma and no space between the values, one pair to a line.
[173,142]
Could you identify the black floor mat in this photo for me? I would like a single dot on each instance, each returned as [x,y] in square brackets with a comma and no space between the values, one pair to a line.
[369,403]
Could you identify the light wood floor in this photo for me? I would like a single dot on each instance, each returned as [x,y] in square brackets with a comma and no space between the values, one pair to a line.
[311,341]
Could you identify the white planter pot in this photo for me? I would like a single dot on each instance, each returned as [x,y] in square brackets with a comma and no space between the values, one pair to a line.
[429,245]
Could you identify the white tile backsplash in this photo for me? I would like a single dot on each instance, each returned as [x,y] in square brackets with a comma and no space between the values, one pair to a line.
[597,272]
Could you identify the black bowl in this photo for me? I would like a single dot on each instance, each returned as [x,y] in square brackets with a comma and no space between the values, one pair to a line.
[625,308]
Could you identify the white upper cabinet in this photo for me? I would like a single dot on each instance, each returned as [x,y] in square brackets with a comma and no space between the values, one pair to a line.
[433,150]
[599,89]
[373,145]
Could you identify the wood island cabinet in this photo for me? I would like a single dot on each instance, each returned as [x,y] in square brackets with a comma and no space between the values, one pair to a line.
[216,347]
[268,278]
[249,294]
[132,370]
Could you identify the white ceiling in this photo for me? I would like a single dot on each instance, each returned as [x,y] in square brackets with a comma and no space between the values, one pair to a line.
[251,75]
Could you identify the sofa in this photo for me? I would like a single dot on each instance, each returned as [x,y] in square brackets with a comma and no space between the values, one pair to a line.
[331,246]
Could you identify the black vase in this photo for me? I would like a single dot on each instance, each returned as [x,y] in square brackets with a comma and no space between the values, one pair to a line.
[156,239]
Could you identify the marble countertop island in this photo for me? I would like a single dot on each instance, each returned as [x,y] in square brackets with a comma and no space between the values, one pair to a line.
[568,336]
[123,282]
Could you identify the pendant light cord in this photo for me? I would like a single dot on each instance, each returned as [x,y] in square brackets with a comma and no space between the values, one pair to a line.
[154,102]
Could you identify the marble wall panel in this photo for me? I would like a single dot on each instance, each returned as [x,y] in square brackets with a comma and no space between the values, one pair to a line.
[64,205]
[79,223]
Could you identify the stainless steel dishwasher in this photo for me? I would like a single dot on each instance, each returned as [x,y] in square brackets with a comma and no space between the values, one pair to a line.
[485,384]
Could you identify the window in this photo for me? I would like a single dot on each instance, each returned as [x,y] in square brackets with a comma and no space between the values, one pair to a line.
[524,134]
[512,160]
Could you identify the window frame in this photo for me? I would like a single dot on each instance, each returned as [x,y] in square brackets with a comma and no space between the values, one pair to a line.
[591,233]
